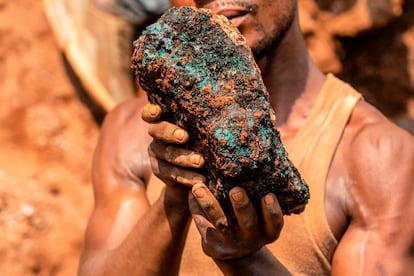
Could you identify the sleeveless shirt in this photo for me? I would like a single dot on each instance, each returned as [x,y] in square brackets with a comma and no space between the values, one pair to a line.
[306,244]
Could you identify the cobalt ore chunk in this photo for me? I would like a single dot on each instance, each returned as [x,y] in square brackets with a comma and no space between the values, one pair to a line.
[197,67]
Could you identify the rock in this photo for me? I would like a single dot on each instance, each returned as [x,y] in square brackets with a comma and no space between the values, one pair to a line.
[197,67]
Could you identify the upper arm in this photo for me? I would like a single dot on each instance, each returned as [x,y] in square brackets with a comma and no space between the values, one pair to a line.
[380,236]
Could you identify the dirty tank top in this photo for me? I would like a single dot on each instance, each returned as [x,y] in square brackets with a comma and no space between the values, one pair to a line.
[306,243]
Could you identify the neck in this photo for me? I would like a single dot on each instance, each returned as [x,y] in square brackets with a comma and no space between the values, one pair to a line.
[292,79]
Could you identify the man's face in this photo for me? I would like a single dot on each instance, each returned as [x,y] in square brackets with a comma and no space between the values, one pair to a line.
[262,22]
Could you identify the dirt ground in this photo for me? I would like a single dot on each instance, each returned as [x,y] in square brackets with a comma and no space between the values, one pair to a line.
[47,137]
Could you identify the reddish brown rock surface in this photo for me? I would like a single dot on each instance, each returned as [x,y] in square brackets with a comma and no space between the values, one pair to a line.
[47,135]
[215,92]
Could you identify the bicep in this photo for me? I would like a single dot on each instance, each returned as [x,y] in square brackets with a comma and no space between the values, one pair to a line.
[380,237]
[363,251]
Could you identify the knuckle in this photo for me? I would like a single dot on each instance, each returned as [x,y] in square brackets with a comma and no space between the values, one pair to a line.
[222,225]
[169,154]
[167,133]
[176,156]
[207,205]
[242,206]
[174,174]
[180,176]
[245,213]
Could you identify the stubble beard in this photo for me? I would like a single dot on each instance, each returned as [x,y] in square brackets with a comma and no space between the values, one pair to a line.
[270,40]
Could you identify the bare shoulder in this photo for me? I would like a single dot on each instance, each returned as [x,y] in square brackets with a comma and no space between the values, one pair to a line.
[380,161]
[123,144]
[377,139]
[125,125]
[125,112]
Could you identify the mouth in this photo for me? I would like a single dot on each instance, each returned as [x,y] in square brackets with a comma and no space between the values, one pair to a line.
[236,15]
[232,13]
[235,10]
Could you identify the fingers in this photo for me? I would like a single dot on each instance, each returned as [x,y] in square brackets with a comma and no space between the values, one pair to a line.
[210,206]
[213,243]
[168,132]
[272,217]
[151,113]
[222,240]
[172,174]
[248,220]
[201,222]
[175,155]
[245,212]
[162,130]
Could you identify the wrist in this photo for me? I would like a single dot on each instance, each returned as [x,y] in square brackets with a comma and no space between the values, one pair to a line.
[261,262]
[176,199]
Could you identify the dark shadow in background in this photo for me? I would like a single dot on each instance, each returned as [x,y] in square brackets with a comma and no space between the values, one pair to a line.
[376,64]
[96,111]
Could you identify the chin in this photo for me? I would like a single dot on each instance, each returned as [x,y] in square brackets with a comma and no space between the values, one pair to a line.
[253,43]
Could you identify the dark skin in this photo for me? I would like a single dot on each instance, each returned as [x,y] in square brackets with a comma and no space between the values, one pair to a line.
[131,234]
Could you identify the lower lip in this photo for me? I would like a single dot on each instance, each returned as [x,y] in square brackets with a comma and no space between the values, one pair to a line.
[237,21]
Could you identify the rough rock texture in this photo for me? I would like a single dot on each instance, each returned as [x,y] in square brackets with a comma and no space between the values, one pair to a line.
[46,196]
[197,67]
[45,191]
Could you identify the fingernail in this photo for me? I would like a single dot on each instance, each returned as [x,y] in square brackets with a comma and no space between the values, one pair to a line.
[179,134]
[199,192]
[153,110]
[269,199]
[195,159]
[237,196]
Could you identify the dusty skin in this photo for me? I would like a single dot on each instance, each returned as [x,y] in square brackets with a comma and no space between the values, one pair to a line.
[47,136]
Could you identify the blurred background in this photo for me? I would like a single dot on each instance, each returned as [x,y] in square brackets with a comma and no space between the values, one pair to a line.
[49,128]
